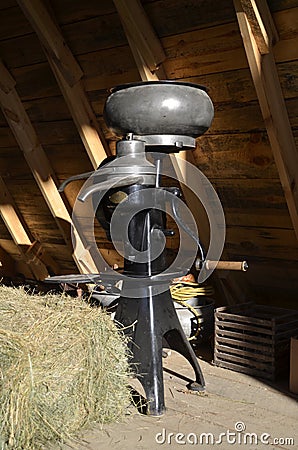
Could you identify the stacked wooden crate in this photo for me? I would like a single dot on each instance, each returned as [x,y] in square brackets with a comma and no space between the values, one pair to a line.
[254,339]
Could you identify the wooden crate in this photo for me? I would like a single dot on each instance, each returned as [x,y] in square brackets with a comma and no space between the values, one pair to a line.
[254,339]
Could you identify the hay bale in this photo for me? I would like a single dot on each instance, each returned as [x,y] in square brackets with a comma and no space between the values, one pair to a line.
[63,366]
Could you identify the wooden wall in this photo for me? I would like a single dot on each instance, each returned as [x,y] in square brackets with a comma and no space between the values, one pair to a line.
[202,45]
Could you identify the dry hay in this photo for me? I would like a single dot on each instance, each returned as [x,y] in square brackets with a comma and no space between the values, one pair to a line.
[63,366]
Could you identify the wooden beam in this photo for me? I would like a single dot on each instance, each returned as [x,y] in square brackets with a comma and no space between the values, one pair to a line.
[11,217]
[17,231]
[144,71]
[140,31]
[51,38]
[265,77]
[68,75]
[32,252]
[265,34]
[38,162]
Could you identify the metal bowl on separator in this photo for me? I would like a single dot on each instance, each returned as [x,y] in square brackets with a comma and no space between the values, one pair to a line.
[159,108]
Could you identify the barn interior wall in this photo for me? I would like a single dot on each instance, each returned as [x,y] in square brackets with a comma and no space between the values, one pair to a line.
[202,45]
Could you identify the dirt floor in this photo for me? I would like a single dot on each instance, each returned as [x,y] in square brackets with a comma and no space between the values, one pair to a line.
[236,411]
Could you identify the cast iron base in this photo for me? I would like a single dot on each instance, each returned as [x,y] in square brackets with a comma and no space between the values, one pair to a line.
[153,324]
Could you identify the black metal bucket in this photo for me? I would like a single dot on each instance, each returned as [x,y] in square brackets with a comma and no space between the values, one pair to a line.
[190,322]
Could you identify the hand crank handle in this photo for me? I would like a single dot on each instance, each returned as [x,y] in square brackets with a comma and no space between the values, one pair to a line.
[222,265]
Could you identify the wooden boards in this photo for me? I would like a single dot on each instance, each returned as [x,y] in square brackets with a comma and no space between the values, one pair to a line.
[274,112]
[202,45]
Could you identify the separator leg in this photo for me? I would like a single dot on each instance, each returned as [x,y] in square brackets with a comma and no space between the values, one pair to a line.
[147,321]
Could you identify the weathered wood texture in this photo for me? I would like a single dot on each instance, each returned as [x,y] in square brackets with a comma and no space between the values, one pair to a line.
[203,45]
[270,96]
[254,339]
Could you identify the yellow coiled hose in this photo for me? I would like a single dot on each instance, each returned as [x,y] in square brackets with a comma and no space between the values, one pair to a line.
[181,292]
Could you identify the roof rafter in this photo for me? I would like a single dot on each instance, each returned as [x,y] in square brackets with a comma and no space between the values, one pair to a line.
[266,81]
[139,29]
[31,250]
[39,164]
[68,75]
[264,31]
[11,217]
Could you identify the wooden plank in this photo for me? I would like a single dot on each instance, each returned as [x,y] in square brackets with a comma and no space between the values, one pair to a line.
[274,112]
[28,198]
[68,75]
[51,38]
[251,311]
[165,19]
[242,336]
[28,264]
[58,132]
[261,242]
[243,369]
[185,15]
[277,5]
[241,155]
[140,31]
[75,10]
[184,52]
[36,158]
[250,193]
[246,317]
[15,224]
[38,81]
[265,21]
[11,217]
[228,325]
[97,33]
[219,49]
[101,72]
[35,81]
[266,366]
[253,203]
[247,118]
[237,86]
[22,50]
[105,33]
[258,218]
[145,73]
[265,36]
[47,109]
[89,130]
[13,23]
[37,254]
[261,348]
[243,352]
[202,52]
